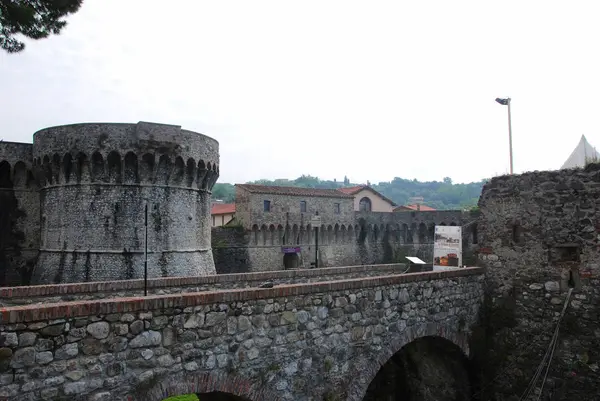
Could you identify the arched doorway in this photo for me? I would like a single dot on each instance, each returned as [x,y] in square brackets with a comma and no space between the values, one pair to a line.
[290,261]
[426,369]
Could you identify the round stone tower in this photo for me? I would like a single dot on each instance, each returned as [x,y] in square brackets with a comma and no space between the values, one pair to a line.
[95,182]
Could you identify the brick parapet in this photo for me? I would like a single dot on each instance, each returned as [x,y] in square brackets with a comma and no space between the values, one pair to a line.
[65,310]
[8,293]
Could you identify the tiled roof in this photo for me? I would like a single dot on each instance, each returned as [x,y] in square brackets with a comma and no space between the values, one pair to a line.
[352,190]
[293,191]
[356,189]
[223,208]
[423,208]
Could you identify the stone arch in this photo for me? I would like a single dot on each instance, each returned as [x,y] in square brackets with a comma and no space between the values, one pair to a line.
[356,231]
[163,170]
[350,233]
[200,174]
[67,167]
[309,234]
[422,233]
[254,238]
[207,177]
[56,168]
[5,179]
[20,178]
[261,237]
[366,369]
[177,384]
[113,162]
[215,176]
[130,172]
[271,235]
[178,171]
[405,233]
[98,173]
[342,233]
[375,233]
[146,168]
[295,239]
[83,168]
[280,234]
[287,235]
[190,172]
[336,233]
[329,234]
[47,167]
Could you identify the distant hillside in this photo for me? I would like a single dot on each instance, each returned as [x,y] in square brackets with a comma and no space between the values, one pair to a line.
[439,195]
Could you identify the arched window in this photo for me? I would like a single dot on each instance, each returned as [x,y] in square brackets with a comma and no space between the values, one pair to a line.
[364,205]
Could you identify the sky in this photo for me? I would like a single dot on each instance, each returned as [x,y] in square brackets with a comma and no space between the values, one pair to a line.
[368,90]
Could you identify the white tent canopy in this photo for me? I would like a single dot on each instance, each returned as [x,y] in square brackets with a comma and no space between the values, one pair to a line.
[583,154]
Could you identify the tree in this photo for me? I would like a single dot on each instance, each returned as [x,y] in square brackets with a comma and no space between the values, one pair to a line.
[35,19]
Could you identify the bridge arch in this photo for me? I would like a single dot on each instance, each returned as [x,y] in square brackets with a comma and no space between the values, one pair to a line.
[366,367]
[202,383]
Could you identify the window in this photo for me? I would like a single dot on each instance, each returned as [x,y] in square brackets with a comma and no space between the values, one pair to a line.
[267,206]
[365,205]
[336,208]
[302,206]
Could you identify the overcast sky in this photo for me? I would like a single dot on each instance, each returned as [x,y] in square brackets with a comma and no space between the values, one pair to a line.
[368,89]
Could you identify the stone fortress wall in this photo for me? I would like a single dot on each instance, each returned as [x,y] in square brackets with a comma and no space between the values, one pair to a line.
[93,182]
[345,238]
[539,236]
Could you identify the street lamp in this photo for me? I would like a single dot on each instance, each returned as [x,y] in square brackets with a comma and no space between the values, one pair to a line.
[506,102]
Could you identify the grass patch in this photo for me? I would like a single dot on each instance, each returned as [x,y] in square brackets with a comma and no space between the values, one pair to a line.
[187,397]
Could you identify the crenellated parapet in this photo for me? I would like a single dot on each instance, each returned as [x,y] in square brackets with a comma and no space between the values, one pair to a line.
[78,196]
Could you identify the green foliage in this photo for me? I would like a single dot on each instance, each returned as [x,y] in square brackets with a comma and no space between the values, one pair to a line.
[187,397]
[443,195]
[35,19]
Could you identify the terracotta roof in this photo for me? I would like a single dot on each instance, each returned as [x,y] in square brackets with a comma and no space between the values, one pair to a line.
[423,208]
[223,208]
[352,190]
[293,191]
[357,188]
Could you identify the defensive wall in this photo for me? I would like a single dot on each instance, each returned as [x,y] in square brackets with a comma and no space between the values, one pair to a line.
[73,203]
[539,237]
[292,342]
[371,238]
[45,294]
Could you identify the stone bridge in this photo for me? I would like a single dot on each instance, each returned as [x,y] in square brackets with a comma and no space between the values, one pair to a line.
[339,339]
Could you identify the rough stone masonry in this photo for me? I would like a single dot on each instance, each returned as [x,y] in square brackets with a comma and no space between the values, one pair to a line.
[295,342]
[72,204]
[539,236]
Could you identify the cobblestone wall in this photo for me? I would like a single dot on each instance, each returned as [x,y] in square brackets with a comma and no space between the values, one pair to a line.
[539,237]
[296,342]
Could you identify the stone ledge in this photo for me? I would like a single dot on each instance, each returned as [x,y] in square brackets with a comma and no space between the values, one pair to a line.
[138,284]
[32,313]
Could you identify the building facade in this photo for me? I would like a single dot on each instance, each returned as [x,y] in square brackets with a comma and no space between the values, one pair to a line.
[73,203]
[272,230]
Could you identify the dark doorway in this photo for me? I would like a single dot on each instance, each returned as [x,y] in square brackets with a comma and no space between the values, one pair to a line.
[427,369]
[291,261]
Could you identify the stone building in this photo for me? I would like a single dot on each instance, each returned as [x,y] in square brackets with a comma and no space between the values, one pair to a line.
[272,229]
[539,237]
[72,204]
[366,199]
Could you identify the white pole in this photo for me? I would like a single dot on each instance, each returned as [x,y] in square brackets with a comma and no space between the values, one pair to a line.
[510,139]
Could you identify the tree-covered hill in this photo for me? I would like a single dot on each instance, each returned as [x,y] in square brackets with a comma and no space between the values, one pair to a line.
[437,194]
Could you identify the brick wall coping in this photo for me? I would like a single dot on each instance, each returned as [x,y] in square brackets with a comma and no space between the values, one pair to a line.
[163,282]
[63,310]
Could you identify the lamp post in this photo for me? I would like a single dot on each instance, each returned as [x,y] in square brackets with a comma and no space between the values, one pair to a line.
[506,102]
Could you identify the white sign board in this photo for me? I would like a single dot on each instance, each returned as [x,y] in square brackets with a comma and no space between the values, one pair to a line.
[415,260]
[447,248]
[315,221]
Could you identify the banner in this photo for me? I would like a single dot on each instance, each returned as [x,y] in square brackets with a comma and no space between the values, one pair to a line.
[447,247]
